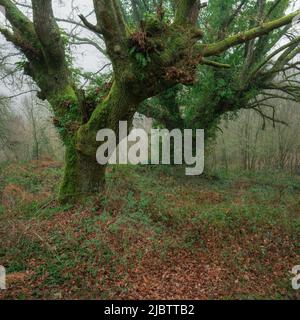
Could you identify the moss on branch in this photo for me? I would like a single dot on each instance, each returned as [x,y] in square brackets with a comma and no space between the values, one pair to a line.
[221,46]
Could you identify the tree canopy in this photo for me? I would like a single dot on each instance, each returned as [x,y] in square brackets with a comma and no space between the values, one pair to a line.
[260,70]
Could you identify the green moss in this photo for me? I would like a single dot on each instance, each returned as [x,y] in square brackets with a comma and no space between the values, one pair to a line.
[152,25]
[183,11]
[82,175]
[69,184]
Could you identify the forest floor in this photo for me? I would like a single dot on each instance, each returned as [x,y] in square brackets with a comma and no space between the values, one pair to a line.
[154,234]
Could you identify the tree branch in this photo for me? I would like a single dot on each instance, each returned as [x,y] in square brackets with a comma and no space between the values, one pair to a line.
[215,64]
[90,26]
[22,34]
[48,33]
[111,22]
[221,46]
[20,23]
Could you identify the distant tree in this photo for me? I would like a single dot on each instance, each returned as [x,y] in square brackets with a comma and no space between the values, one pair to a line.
[248,146]
[148,58]
[4,117]
[5,114]
[11,132]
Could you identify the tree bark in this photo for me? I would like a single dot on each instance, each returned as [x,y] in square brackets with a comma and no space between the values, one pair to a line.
[83,176]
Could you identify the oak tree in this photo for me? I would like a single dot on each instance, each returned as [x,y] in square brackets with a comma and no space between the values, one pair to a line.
[148,58]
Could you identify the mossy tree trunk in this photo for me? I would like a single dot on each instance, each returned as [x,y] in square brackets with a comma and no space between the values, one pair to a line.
[83,176]
[146,62]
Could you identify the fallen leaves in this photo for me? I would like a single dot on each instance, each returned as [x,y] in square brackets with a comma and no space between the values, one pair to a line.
[162,249]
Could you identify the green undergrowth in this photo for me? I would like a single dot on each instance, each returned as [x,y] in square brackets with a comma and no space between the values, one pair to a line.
[89,250]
